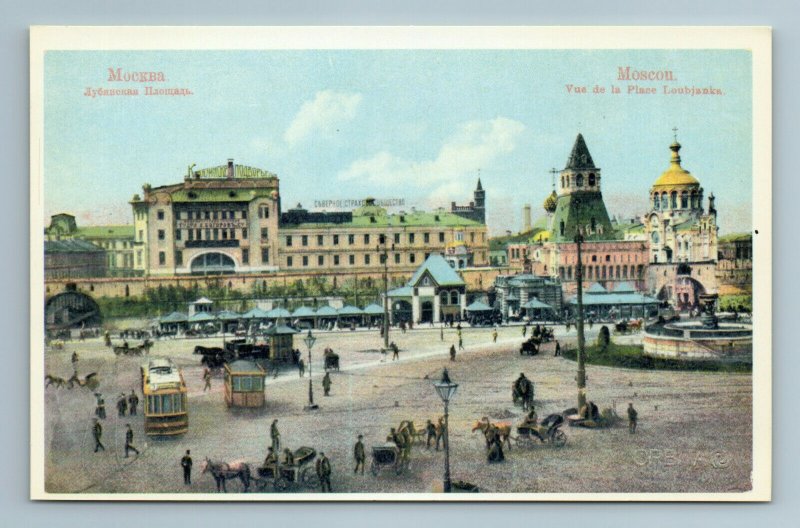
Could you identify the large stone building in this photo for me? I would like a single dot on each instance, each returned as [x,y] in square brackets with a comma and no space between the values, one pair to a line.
[735,264]
[228,219]
[72,259]
[115,240]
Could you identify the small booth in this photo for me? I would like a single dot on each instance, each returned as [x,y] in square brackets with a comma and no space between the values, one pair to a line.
[373,314]
[536,310]
[244,384]
[173,323]
[303,317]
[281,342]
[350,316]
[479,313]
[229,320]
[326,317]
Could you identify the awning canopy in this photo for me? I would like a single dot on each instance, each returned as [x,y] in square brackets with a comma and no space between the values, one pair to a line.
[303,311]
[279,313]
[174,317]
[405,291]
[537,304]
[478,306]
[326,311]
[255,313]
[280,330]
[350,310]
[227,315]
[201,317]
[373,309]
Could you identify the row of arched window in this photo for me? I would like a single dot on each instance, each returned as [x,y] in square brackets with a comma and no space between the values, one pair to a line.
[673,200]
[603,272]
[451,296]
[578,180]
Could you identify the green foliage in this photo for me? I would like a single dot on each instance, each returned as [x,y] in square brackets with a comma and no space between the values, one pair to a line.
[740,303]
[631,356]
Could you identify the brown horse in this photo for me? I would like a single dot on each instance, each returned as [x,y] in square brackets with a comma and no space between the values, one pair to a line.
[222,471]
[490,430]
[55,381]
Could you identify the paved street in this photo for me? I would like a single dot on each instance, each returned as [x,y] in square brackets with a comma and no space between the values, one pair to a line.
[694,427]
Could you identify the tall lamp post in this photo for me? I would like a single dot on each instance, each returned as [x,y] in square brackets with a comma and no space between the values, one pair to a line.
[581,377]
[384,253]
[446,389]
[310,340]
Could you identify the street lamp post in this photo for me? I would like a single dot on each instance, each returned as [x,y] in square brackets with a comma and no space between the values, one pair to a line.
[446,390]
[310,340]
[385,258]
[581,379]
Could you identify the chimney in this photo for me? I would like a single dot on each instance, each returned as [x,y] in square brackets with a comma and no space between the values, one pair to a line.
[526,218]
[229,173]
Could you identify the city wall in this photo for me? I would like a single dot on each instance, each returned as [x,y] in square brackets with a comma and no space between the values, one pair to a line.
[477,279]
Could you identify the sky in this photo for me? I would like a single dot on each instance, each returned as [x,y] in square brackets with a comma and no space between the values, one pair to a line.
[421,125]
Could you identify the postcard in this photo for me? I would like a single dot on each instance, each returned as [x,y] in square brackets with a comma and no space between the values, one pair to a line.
[401,263]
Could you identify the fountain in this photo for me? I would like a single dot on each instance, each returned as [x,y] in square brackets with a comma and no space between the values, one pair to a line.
[704,339]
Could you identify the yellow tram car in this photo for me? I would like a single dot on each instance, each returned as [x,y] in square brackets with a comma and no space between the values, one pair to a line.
[244,384]
[165,402]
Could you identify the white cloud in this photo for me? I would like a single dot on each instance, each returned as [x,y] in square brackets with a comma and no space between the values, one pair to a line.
[474,146]
[322,115]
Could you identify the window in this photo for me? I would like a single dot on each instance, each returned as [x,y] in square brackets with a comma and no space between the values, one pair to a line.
[177,234]
[579,180]
[656,202]
[161,234]
[320,260]
[139,258]
[335,240]
[265,256]
[289,262]
[265,236]
[244,214]
[441,237]
[224,215]
[179,258]
[216,215]
[381,239]
[197,233]
[244,234]
[336,260]
[216,233]
[411,238]
[592,179]
[594,258]
[162,258]
[608,258]
[561,229]
[160,214]
[684,200]
[289,241]
[245,256]
[351,259]
[397,238]
[664,203]
[366,239]
[305,260]
[674,200]
[397,258]
[191,234]
[472,237]
[426,238]
[207,215]
[320,240]
[351,239]
[366,258]
[412,258]
[443,297]
[304,240]
[224,234]
[141,235]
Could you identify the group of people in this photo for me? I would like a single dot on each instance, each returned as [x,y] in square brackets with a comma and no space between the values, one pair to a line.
[125,404]
[323,465]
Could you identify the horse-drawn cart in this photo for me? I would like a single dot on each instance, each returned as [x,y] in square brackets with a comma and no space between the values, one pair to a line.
[300,474]
[548,432]
[331,361]
[530,346]
[139,350]
[388,455]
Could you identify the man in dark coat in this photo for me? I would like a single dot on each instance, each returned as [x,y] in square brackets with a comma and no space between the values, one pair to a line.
[122,405]
[301,367]
[632,418]
[558,349]
[186,464]
[452,352]
[100,411]
[324,472]
[129,441]
[133,402]
[326,383]
[430,431]
[97,433]
[275,435]
[359,454]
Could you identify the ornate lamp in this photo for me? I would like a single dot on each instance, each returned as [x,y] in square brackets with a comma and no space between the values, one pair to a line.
[309,341]
[446,389]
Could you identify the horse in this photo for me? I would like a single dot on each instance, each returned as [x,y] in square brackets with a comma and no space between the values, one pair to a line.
[490,430]
[523,392]
[222,471]
[54,381]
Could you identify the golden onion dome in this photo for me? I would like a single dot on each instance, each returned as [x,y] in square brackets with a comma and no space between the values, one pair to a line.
[676,175]
[550,202]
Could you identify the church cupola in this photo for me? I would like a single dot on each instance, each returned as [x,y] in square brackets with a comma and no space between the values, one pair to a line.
[676,189]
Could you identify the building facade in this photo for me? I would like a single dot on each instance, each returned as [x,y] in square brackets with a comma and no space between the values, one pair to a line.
[73,259]
[735,264]
[115,240]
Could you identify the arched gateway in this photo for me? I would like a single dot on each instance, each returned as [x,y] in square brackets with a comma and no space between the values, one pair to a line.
[213,264]
[71,309]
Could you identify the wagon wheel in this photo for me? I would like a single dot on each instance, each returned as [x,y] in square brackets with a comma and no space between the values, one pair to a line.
[309,478]
[558,438]
[373,468]
[281,484]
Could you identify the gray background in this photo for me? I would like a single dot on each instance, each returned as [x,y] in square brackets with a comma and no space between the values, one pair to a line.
[15,17]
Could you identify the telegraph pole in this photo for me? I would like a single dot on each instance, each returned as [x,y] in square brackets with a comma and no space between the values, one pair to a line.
[581,379]
[384,253]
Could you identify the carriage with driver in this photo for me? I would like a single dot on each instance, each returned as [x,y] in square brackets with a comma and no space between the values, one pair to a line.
[139,350]
[299,474]
[530,346]
[331,360]
[547,432]
[388,455]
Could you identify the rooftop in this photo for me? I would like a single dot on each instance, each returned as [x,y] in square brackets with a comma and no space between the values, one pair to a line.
[70,246]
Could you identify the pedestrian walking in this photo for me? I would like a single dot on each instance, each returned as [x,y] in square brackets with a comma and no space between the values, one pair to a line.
[430,434]
[452,352]
[100,410]
[133,402]
[186,464]
[324,472]
[395,351]
[122,405]
[633,417]
[275,435]
[460,342]
[441,333]
[207,379]
[440,432]
[326,384]
[301,367]
[129,441]
[74,360]
[524,330]
[494,335]
[558,349]
[97,433]
[359,454]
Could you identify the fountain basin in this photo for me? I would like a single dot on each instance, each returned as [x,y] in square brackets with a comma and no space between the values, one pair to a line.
[694,340]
